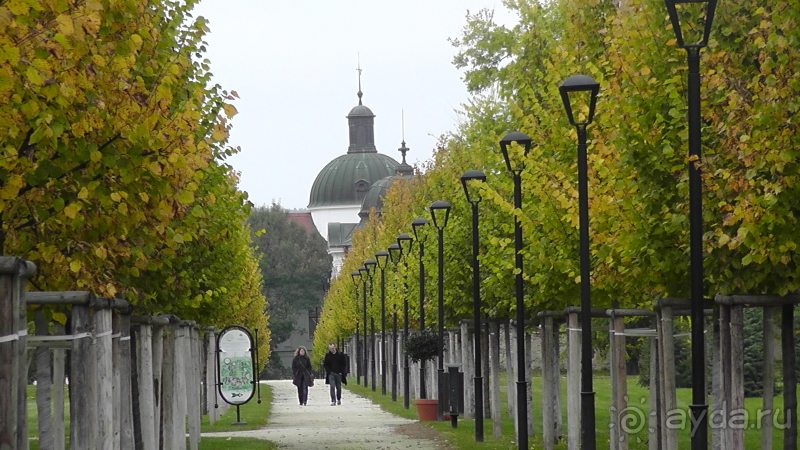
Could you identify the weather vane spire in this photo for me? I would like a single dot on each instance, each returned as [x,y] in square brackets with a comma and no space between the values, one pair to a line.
[359,78]
[403,149]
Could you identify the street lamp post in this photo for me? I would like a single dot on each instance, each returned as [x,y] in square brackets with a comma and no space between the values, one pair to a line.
[419,235]
[471,180]
[382,256]
[684,11]
[515,163]
[370,265]
[404,241]
[578,85]
[364,278]
[440,212]
[395,253]
[356,276]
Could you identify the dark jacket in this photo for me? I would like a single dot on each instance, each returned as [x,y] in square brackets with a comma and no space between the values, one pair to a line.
[301,366]
[335,363]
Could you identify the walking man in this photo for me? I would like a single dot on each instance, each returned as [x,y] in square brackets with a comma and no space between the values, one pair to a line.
[335,364]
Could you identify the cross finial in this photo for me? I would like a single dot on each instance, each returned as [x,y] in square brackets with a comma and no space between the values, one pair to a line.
[403,149]
[359,79]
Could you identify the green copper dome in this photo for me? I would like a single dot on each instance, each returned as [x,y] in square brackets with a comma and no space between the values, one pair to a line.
[348,178]
[374,198]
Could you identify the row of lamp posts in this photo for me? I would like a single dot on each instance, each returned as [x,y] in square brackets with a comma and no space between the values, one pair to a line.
[440,210]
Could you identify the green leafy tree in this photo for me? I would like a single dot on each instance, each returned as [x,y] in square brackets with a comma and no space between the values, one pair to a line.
[111,174]
[295,266]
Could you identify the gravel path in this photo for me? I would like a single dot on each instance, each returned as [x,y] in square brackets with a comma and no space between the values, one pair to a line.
[355,424]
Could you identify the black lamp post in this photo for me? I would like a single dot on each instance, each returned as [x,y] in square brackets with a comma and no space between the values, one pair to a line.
[419,235]
[382,256]
[580,85]
[515,162]
[404,241]
[685,11]
[356,276]
[471,180]
[370,265]
[364,276]
[440,212]
[395,252]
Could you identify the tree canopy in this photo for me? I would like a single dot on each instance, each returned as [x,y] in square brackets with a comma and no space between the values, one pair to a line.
[112,175]
[294,264]
[638,181]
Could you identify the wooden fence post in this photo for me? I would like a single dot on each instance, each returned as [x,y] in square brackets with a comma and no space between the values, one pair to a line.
[468,367]
[573,382]
[193,386]
[59,381]
[79,395]
[494,375]
[9,339]
[547,384]
[126,392]
[104,404]
[725,365]
[487,400]
[511,361]
[737,377]
[789,377]
[43,385]
[768,405]
[669,400]
[621,379]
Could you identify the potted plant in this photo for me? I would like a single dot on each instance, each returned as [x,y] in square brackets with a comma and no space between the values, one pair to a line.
[422,347]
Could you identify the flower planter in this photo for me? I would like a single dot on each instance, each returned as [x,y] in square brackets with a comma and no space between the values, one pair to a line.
[427,409]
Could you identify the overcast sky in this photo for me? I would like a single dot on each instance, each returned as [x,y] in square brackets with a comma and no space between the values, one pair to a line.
[293,63]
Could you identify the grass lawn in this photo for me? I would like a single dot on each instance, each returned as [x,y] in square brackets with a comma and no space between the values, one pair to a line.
[463,437]
[256,415]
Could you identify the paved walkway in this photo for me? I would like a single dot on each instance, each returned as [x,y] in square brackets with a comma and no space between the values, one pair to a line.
[355,424]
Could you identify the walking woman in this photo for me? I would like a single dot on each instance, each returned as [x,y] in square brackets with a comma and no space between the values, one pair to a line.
[301,374]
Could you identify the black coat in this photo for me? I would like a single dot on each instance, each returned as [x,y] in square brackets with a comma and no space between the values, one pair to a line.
[301,366]
[336,363]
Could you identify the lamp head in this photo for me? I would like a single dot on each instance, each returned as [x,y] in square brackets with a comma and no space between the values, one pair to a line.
[395,252]
[417,226]
[404,241]
[383,258]
[692,18]
[578,87]
[440,212]
[471,181]
[356,276]
[370,265]
[514,160]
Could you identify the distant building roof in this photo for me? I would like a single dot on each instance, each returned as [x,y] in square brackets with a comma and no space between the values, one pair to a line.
[304,220]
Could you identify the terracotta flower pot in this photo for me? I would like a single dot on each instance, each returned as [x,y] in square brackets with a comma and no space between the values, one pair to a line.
[427,409]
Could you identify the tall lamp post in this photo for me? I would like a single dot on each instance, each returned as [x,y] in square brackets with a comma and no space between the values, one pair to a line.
[370,265]
[416,226]
[440,212]
[471,181]
[356,276]
[404,241]
[580,85]
[395,253]
[364,278]
[684,11]
[515,163]
[382,256]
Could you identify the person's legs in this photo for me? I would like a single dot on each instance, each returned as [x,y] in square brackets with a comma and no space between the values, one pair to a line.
[303,391]
[332,383]
[338,388]
[300,391]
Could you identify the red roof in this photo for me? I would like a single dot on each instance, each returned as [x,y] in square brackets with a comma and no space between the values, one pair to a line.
[304,220]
